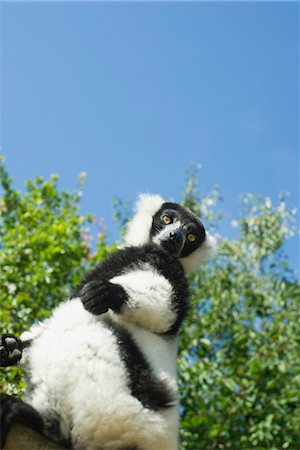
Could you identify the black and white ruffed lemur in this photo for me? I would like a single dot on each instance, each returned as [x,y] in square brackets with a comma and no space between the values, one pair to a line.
[102,369]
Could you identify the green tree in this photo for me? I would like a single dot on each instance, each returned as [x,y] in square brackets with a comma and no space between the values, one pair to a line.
[44,249]
[239,360]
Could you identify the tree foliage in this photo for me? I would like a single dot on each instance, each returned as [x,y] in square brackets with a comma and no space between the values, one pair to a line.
[44,249]
[239,360]
[239,357]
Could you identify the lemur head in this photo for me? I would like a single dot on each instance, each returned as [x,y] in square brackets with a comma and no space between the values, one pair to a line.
[173,227]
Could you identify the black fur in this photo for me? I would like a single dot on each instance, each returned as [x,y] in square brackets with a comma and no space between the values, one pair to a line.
[150,391]
[98,295]
[192,224]
[10,350]
[13,409]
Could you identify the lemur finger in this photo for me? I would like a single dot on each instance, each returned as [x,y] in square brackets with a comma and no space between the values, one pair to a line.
[10,343]
[15,356]
[95,305]
[100,295]
[3,357]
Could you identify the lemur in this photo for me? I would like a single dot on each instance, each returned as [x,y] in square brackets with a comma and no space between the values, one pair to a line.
[102,369]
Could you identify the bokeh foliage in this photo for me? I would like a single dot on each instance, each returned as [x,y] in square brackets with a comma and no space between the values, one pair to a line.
[239,359]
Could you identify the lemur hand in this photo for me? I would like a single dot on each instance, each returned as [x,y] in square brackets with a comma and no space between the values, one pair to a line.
[10,350]
[98,296]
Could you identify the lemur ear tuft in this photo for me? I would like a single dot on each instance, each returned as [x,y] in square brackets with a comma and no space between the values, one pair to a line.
[139,227]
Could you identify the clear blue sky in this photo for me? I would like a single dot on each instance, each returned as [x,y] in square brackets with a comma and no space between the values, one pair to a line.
[133,92]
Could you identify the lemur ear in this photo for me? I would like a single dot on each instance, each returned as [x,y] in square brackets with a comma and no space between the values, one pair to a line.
[138,228]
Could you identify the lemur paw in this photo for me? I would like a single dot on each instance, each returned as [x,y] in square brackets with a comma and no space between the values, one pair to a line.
[10,350]
[98,296]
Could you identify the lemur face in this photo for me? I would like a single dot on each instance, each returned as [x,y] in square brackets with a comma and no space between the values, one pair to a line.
[177,229]
[173,227]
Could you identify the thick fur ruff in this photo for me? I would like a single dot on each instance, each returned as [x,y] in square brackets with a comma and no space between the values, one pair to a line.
[138,229]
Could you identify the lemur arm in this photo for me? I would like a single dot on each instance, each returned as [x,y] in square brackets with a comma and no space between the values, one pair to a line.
[97,292]
[112,284]
[138,284]
[99,295]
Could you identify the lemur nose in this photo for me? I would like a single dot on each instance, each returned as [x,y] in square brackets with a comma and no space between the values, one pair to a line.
[175,236]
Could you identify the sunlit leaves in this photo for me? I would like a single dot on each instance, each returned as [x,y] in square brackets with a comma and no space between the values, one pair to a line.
[242,390]
[42,253]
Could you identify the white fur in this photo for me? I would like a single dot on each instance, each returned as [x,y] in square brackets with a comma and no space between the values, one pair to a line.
[138,229]
[149,304]
[206,250]
[76,357]
[76,363]
[138,232]
[161,353]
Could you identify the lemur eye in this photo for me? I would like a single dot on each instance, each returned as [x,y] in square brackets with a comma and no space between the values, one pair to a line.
[191,237]
[166,220]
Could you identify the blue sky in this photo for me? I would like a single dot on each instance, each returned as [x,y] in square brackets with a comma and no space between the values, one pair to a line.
[131,93]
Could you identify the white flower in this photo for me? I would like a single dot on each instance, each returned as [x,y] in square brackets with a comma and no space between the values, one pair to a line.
[210,201]
[12,288]
[268,202]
